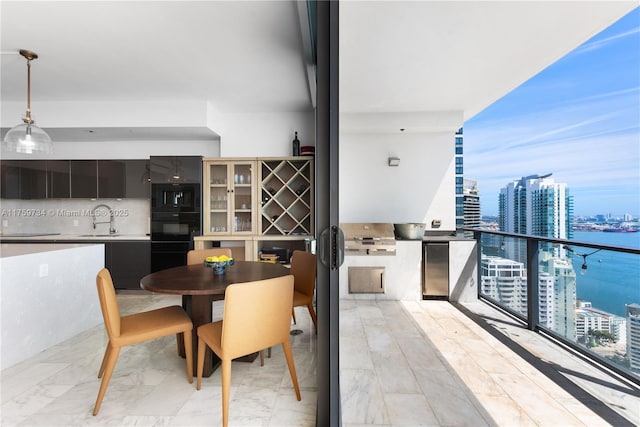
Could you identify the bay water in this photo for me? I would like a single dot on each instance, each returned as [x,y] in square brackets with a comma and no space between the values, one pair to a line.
[612,279]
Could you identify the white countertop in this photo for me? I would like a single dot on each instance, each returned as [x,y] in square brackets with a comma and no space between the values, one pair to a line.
[16,249]
[74,237]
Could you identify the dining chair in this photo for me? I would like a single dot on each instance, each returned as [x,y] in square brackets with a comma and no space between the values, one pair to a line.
[256,316]
[136,328]
[197,256]
[303,268]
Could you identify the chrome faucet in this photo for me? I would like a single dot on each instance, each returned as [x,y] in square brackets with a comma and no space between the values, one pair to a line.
[111,222]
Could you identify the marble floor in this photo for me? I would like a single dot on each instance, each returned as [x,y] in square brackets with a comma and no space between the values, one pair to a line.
[401,364]
[58,387]
[436,364]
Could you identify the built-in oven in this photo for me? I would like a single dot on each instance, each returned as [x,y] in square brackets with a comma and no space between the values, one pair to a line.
[178,197]
[176,208]
[172,236]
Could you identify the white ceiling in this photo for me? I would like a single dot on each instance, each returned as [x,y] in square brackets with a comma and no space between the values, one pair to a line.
[247,56]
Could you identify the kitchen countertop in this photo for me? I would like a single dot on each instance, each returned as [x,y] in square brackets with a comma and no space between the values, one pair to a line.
[16,249]
[444,238]
[53,238]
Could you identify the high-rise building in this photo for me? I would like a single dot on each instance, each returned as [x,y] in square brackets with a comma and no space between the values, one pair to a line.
[471,205]
[538,206]
[460,218]
[505,281]
[633,336]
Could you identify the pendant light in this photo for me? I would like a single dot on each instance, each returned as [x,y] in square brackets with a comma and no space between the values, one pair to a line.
[27,137]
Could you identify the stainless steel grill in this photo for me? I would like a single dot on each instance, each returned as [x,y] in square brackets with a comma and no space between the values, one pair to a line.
[368,238]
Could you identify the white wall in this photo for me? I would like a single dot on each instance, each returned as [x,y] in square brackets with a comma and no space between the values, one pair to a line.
[263,134]
[421,189]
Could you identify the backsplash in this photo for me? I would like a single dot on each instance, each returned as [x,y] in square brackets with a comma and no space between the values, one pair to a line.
[73,216]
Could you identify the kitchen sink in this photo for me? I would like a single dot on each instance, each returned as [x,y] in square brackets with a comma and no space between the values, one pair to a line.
[98,235]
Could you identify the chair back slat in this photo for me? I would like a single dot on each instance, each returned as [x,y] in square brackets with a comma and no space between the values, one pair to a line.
[108,303]
[257,315]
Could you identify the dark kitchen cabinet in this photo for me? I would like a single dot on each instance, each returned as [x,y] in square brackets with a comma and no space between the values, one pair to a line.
[119,179]
[84,179]
[63,179]
[23,179]
[137,179]
[111,179]
[176,169]
[10,179]
[33,179]
[58,179]
[128,262]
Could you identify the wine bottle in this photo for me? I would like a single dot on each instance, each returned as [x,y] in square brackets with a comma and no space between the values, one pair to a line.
[296,145]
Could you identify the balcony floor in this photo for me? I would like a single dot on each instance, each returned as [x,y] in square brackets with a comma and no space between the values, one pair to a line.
[402,363]
[427,363]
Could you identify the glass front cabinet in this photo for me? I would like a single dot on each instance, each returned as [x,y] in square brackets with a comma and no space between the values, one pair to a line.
[230,197]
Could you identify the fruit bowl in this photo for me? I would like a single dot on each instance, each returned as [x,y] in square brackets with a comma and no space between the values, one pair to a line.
[218,264]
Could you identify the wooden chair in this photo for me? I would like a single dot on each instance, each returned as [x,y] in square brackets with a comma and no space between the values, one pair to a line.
[136,328]
[256,316]
[303,268]
[197,256]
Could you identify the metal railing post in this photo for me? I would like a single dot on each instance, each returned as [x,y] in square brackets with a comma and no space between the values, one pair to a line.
[477,235]
[533,299]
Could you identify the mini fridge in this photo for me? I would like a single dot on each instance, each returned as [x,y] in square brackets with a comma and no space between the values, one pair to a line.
[435,272]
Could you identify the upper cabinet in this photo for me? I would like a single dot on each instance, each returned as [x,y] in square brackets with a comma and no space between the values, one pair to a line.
[229,197]
[85,179]
[268,198]
[137,179]
[176,169]
[111,179]
[23,179]
[58,179]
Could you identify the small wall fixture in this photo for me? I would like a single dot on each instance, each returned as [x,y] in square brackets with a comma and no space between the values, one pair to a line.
[27,137]
[394,161]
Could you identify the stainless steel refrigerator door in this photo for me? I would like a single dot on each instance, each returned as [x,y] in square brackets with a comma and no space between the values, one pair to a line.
[436,271]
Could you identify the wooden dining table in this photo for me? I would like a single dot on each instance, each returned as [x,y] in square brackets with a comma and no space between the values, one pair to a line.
[200,287]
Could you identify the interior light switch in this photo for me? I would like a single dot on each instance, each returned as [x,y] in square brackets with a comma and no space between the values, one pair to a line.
[44,270]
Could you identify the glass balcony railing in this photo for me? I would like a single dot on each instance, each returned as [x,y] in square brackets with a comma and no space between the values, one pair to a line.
[584,295]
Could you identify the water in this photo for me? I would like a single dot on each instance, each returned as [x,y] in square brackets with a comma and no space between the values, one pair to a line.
[612,279]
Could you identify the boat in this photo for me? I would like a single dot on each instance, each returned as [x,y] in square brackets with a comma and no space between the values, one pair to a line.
[620,230]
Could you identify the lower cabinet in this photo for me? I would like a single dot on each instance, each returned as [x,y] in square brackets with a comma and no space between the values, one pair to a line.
[128,262]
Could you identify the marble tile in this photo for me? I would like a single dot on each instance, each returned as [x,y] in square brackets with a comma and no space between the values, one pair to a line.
[401,363]
[409,410]
[361,397]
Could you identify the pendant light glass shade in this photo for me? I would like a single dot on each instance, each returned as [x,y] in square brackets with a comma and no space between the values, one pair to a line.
[27,137]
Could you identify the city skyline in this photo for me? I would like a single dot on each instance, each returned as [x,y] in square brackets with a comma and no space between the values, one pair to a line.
[579,120]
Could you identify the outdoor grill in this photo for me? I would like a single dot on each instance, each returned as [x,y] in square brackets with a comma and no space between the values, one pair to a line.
[368,238]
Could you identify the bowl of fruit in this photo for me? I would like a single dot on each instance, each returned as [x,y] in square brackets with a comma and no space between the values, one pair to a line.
[218,263]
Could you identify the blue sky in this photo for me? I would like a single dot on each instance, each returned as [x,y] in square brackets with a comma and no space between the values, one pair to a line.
[578,119]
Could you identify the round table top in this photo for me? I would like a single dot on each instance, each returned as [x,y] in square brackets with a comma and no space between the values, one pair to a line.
[198,279]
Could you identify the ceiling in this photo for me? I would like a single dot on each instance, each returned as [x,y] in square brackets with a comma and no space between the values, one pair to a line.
[249,56]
